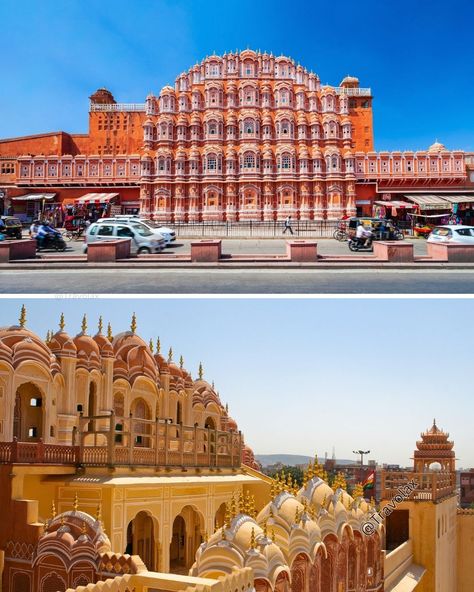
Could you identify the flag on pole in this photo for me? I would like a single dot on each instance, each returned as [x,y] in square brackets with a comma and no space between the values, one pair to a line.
[369,482]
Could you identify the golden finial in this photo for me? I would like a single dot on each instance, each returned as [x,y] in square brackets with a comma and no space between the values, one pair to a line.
[151,346]
[22,319]
[181,362]
[272,489]
[170,354]
[75,504]
[98,514]
[323,505]
[110,336]
[48,336]
[62,520]
[273,535]
[233,506]
[253,507]
[84,324]
[228,516]
[84,527]
[227,408]
[223,536]
[271,511]
[62,322]
[100,326]
[200,371]
[297,516]
[158,346]
[133,324]
[253,543]
[358,491]
[265,528]
[241,502]
[53,510]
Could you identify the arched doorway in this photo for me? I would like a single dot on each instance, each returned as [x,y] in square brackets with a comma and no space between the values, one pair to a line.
[186,538]
[220,516]
[28,413]
[141,429]
[141,539]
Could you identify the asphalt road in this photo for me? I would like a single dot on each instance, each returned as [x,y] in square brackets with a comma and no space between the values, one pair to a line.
[326,246]
[223,281]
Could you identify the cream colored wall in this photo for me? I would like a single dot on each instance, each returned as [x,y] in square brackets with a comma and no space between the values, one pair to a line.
[465,547]
[437,554]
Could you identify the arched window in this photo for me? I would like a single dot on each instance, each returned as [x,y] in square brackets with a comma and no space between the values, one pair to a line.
[212,127]
[286,161]
[249,160]
[285,128]
[249,126]
[211,162]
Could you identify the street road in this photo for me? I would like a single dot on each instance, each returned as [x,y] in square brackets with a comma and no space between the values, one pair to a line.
[224,281]
[326,246]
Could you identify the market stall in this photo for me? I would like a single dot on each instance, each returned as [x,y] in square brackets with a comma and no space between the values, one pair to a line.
[30,206]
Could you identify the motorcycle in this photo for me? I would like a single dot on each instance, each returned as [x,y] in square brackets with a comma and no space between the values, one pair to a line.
[359,244]
[52,240]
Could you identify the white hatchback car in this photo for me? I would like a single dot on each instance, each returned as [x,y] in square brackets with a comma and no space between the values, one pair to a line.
[452,234]
[143,240]
[168,233]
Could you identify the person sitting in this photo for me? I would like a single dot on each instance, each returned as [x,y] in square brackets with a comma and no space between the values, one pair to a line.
[363,234]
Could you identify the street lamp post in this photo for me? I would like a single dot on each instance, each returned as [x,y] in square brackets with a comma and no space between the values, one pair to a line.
[362,454]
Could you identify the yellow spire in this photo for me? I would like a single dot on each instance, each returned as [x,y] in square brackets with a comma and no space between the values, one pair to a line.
[253,543]
[48,336]
[181,362]
[265,528]
[22,319]
[151,346]
[53,510]
[200,371]
[100,325]
[98,514]
[110,337]
[84,324]
[84,527]
[158,346]
[223,533]
[62,322]
[228,516]
[233,506]
[170,354]
[358,491]
[241,503]
[62,520]
[75,504]
[273,535]
[297,516]
[133,324]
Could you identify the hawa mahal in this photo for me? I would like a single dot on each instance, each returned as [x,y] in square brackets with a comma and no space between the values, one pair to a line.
[243,136]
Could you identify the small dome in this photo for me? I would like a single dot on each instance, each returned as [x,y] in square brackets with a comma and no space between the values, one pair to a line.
[104,345]
[62,344]
[350,82]
[437,147]
[25,345]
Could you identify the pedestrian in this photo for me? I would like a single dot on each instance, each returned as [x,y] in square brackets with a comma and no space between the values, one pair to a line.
[288,225]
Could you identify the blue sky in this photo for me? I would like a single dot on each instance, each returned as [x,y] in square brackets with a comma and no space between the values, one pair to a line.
[416,55]
[302,376]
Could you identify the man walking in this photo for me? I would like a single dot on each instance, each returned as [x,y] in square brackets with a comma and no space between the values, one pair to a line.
[288,225]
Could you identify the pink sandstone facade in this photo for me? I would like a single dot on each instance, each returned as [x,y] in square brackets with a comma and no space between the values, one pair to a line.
[244,136]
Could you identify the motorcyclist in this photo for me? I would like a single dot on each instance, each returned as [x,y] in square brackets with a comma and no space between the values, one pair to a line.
[43,230]
[363,234]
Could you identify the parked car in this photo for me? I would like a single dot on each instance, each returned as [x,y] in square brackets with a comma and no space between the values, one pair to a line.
[12,228]
[168,233]
[452,234]
[143,239]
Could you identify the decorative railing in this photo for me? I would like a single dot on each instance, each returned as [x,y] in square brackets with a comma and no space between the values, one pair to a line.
[117,106]
[113,440]
[38,453]
[353,92]
[431,486]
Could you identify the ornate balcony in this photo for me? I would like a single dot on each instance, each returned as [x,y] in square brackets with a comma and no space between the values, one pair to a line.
[110,440]
[431,486]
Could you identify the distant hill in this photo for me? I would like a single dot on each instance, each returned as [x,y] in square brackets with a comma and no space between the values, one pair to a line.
[293,459]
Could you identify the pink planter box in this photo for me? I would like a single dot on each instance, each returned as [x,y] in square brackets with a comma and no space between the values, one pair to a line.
[108,251]
[206,251]
[396,251]
[453,253]
[17,249]
[302,251]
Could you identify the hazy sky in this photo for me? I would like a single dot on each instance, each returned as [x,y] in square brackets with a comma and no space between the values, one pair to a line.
[303,375]
[416,56]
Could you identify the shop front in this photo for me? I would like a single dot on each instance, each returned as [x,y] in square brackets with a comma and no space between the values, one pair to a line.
[93,206]
[31,206]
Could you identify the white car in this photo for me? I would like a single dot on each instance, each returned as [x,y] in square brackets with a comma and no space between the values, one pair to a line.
[452,234]
[143,240]
[168,233]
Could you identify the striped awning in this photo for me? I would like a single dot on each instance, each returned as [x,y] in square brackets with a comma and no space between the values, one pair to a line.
[456,198]
[429,201]
[34,197]
[394,204]
[96,198]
